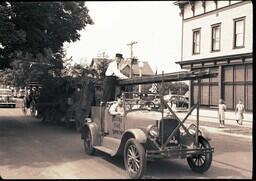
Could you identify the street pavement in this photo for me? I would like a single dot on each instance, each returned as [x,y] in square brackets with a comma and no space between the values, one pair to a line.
[32,149]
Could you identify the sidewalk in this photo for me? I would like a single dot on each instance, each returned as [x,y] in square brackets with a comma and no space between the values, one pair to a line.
[229,115]
[211,124]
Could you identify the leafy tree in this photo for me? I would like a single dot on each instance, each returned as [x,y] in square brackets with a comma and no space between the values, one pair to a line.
[34,33]
[102,68]
[79,71]
[176,88]
[8,34]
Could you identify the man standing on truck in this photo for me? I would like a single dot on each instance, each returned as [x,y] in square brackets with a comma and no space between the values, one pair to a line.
[111,75]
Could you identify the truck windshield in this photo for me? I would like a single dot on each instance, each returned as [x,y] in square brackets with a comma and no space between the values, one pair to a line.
[141,101]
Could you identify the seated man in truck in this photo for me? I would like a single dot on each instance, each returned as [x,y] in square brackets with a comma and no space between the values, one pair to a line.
[116,111]
[117,108]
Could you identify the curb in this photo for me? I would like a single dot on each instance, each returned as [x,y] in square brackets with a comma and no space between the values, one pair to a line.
[231,120]
[216,130]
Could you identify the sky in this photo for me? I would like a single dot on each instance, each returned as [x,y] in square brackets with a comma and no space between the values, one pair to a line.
[154,25]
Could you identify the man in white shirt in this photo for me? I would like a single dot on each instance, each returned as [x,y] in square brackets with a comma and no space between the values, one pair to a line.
[111,74]
[117,108]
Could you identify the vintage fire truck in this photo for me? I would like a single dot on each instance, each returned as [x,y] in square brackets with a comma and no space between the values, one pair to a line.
[148,130]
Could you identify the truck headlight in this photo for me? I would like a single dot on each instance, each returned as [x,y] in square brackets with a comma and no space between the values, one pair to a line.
[191,131]
[153,131]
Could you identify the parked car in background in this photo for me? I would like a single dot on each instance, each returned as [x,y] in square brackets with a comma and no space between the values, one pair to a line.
[180,102]
[6,98]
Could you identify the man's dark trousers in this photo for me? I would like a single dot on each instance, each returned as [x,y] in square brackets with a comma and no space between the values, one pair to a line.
[109,85]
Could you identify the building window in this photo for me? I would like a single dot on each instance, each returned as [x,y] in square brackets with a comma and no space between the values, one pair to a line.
[209,90]
[216,37]
[239,26]
[238,85]
[196,41]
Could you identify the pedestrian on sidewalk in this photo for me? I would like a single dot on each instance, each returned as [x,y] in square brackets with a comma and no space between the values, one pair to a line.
[221,113]
[239,112]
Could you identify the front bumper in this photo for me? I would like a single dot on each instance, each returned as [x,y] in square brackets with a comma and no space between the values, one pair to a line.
[177,152]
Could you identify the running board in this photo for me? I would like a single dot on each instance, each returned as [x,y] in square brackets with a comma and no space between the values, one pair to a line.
[109,145]
[104,149]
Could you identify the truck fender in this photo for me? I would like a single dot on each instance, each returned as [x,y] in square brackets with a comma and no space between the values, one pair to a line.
[137,134]
[205,134]
[93,128]
[202,132]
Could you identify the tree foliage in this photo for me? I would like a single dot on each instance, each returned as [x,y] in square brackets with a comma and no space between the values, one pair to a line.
[78,70]
[34,33]
[179,88]
[102,68]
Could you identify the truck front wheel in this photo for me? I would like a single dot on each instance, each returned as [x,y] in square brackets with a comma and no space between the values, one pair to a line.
[134,159]
[201,163]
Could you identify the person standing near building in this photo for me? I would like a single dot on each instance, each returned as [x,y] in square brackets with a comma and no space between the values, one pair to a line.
[221,113]
[28,98]
[239,111]
[111,75]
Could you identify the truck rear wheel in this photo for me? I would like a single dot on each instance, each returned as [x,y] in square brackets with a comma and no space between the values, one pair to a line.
[88,148]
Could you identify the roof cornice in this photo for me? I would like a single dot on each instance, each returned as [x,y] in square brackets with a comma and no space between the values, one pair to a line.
[244,55]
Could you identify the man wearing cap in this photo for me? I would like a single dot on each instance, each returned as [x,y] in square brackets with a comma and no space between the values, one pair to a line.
[111,74]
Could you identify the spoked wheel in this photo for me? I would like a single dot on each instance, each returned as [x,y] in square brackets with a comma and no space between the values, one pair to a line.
[201,163]
[88,143]
[134,159]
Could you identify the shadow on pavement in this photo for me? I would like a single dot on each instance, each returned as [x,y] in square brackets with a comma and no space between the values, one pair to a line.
[175,169]
[28,142]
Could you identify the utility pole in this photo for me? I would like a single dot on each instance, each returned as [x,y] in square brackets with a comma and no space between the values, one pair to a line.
[131,46]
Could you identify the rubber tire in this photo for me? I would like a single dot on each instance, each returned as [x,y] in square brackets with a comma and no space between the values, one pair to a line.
[142,155]
[208,158]
[88,148]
